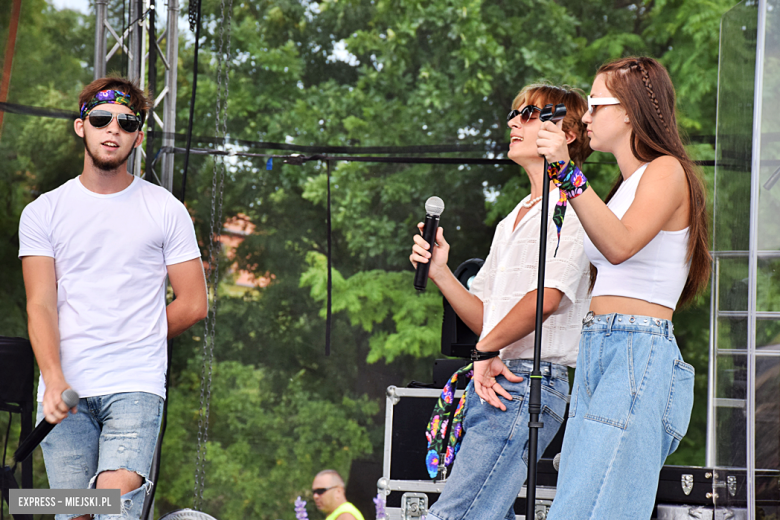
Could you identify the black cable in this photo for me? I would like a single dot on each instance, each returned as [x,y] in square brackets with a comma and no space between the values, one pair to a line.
[192,106]
[329,311]
[13,108]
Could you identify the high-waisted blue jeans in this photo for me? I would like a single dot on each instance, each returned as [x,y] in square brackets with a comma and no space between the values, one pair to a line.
[630,407]
[492,463]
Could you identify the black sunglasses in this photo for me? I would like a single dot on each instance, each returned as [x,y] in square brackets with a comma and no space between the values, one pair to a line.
[321,491]
[525,114]
[102,118]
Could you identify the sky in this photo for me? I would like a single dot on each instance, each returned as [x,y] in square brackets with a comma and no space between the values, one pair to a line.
[79,5]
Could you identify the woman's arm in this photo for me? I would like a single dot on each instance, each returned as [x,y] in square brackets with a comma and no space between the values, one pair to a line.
[660,196]
[661,201]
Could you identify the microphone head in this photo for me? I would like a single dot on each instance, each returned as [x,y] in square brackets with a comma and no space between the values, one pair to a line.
[557,461]
[70,397]
[434,206]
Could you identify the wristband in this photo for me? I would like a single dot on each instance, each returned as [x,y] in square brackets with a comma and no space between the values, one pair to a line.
[571,183]
[479,355]
[568,178]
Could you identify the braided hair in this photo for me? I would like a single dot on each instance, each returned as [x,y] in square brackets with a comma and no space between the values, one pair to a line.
[646,93]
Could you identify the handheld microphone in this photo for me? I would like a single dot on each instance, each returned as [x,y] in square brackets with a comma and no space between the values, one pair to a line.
[557,461]
[434,207]
[70,398]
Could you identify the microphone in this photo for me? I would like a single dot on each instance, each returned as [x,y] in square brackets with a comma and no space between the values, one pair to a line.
[557,461]
[71,398]
[434,207]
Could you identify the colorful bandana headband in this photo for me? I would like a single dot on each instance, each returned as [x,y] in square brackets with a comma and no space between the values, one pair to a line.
[571,183]
[437,434]
[115,97]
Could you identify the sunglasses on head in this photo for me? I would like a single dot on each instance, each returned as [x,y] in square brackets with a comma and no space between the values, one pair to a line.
[321,491]
[594,102]
[102,118]
[525,114]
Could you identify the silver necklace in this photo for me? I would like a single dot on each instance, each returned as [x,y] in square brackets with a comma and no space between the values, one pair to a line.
[531,202]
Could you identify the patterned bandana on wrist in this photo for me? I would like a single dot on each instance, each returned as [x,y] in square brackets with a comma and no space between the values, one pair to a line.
[115,97]
[436,434]
[571,183]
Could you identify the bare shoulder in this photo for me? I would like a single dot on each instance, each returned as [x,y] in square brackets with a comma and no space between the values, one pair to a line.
[666,169]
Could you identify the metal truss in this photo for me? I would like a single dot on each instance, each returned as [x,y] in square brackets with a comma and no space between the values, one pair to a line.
[141,45]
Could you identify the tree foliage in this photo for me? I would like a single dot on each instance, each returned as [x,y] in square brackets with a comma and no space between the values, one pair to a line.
[342,73]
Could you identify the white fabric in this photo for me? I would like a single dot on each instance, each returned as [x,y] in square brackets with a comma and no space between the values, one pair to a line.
[110,256]
[657,273]
[510,271]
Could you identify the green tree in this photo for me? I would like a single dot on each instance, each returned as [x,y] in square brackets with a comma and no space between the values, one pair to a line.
[342,73]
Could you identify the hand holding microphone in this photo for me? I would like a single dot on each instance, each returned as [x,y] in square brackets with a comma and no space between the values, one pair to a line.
[422,252]
[551,140]
[26,447]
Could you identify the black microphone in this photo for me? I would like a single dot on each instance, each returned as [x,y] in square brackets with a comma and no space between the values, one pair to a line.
[70,398]
[434,207]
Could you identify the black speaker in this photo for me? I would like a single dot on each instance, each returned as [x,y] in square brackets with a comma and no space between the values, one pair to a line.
[457,339]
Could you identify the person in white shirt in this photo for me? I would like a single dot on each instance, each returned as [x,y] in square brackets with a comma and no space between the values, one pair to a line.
[491,465]
[95,255]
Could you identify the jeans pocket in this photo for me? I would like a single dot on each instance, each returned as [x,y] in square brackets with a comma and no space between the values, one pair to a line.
[679,403]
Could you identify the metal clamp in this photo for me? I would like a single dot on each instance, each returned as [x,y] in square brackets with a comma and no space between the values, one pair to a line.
[731,485]
[414,506]
[687,484]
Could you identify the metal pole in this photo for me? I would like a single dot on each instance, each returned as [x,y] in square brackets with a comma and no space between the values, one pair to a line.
[711,458]
[10,48]
[150,122]
[169,105]
[535,393]
[755,171]
[100,38]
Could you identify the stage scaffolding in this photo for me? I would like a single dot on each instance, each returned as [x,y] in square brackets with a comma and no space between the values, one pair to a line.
[743,423]
[141,45]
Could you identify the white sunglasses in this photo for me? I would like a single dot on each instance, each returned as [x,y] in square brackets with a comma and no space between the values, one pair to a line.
[594,102]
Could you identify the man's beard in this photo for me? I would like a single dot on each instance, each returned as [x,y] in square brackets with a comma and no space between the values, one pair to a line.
[107,165]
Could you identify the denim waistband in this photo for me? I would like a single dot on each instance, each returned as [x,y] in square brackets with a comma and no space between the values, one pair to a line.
[545,367]
[627,322]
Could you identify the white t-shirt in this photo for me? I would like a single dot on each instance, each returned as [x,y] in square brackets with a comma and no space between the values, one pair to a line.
[110,256]
[510,272]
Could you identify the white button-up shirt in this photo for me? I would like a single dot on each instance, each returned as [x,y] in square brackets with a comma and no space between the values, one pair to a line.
[510,272]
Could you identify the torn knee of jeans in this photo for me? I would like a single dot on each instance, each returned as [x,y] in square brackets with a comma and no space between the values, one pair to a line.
[146,483]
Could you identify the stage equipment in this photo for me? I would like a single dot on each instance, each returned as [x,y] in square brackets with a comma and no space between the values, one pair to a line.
[457,339]
[186,514]
[405,483]
[535,392]
[434,207]
[743,418]
[141,45]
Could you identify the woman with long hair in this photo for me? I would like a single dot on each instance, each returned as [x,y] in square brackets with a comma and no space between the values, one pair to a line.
[633,393]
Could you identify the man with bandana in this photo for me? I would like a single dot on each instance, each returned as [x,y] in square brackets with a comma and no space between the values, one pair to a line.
[95,256]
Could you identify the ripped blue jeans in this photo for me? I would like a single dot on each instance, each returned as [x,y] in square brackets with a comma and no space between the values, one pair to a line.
[109,432]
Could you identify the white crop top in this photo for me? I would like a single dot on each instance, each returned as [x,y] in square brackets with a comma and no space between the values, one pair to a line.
[657,273]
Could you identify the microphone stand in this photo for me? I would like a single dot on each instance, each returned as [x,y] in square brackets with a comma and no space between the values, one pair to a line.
[535,393]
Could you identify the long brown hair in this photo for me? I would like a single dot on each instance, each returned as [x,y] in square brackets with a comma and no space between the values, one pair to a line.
[645,91]
[540,94]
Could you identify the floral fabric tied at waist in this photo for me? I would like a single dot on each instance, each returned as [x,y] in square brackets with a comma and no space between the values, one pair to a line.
[437,432]
[571,183]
